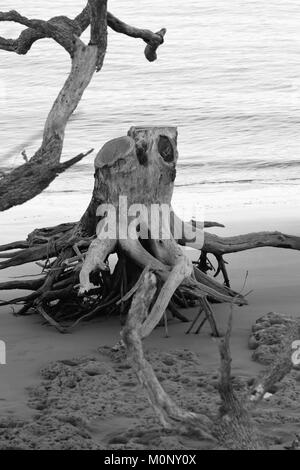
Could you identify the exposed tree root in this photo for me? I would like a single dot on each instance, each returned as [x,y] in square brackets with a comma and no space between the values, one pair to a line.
[169,414]
[152,275]
[31,284]
[233,427]
[224,245]
[74,255]
[282,365]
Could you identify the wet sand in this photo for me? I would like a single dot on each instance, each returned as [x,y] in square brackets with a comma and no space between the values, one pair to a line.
[99,409]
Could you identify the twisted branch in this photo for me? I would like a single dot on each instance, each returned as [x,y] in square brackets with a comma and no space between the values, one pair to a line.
[63,29]
[30,179]
[224,245]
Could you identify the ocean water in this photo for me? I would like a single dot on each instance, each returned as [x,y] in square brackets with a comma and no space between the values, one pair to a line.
[228,76]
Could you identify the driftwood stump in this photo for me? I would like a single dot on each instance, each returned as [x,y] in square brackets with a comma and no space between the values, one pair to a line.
[129,214]
[134,175]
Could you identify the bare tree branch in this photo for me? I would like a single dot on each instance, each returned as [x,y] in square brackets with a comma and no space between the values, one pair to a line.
[7,44]
[83,19]
[23,43]
[59,27]
[153,40]
[98,20]
[222,245]
[17,18]
[30,179]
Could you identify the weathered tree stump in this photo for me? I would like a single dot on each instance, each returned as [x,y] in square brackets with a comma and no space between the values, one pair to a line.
[130,214]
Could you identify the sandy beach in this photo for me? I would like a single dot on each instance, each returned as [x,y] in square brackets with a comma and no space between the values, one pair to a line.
[181,361]
[195,108]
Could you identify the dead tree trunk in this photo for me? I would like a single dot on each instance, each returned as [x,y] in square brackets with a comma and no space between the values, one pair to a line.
[28,180]
[139,171]
[134,175]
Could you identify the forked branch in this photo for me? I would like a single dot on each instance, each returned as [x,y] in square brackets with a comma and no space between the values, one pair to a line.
[63,30]
[28,180]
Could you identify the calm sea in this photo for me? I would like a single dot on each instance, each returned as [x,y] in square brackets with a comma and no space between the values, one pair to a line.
[228,76]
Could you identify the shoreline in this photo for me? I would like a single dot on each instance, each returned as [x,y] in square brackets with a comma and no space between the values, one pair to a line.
[272,276]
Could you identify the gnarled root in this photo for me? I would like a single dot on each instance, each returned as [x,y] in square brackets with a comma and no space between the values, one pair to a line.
[61,275]
[234,428]
[283,363]
[162,256]
[179,272]
[95,259]
[169,414]
[139,167]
